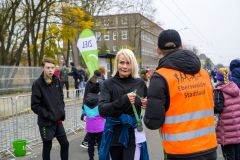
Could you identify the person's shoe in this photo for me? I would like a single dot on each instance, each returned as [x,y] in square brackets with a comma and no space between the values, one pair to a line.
[84,144]
[91,158]
[96,144]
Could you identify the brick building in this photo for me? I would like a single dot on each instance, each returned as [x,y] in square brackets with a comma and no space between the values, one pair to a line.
[124,31]
[130,31]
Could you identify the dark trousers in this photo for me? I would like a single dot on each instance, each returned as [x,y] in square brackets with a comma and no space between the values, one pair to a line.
[91,142]
[210,156]
[86,138]
[231,152]
[76,87]
[122,153]
[66,84]
[47,146]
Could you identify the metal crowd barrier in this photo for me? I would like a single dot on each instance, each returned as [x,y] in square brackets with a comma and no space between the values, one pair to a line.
[78,109]
[69,122]
[7,125]
[18,121]
[26,120]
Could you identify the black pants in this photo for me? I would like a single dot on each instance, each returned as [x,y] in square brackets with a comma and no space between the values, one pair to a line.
[91,142]
[47,146]
[86,138]
[231,152]
[210,156]
[76,87]
[66,84]
[122,153]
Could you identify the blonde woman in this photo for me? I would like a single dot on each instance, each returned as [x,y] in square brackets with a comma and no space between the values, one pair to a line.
[120,136]
[227,104]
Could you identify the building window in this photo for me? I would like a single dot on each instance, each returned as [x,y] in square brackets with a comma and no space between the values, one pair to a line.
[143,50]
[114,22]
[98,36]
[106,22]
[70,59]
[124,20]
[108,51]
[114,35]
[61,58]
[114,49]
[124,34]
[56,57]
[106,36]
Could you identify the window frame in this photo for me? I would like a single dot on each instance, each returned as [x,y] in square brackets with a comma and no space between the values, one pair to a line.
[99,36]
[123,23]
[107,35]
[115,35]
[123,35]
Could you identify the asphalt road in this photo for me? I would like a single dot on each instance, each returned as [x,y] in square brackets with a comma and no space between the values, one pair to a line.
[78,153]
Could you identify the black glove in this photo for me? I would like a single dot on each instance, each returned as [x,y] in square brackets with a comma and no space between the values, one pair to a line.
[82,117]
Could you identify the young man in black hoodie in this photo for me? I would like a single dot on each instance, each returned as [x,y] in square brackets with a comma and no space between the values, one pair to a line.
[180,102]
[47,102]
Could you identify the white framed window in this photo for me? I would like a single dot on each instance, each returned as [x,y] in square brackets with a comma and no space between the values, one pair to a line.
[61,58]
[124,34]
[114,35]
[143,50]
[114,48]
[114,22]
[106,36]
[106,22]
[98,36]
[70,59]
[124,20]
[142,35]
[108,50]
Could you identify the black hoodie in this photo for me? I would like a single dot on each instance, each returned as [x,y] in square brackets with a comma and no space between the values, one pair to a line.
[47,101]
[158,92]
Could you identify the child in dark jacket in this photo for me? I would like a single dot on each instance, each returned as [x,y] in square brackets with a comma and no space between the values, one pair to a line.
[94,122]
[227,105]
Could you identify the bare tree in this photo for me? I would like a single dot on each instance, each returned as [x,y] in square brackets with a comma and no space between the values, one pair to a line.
[191,48]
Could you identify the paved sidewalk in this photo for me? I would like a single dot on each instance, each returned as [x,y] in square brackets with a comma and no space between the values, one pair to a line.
[78,153]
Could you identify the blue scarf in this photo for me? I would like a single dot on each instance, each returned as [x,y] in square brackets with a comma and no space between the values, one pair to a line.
[127,122]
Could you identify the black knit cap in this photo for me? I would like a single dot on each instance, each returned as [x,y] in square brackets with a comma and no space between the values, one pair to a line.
[94,87]
[72,64]
[169,35]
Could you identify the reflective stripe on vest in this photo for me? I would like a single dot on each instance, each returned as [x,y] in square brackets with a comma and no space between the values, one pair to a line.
[189,135]
[189,121]
[189,116]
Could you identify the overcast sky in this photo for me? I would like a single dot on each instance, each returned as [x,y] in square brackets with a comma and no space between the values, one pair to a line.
[213,25]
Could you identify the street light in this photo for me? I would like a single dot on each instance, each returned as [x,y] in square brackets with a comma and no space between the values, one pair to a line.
[182,29]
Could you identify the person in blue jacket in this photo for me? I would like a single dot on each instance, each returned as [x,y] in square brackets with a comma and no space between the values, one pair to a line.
[235,69]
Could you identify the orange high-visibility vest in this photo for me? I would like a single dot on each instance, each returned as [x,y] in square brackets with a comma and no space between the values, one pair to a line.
[189,121]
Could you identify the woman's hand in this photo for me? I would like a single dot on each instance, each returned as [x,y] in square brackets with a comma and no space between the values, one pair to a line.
[131,97]
[144,103]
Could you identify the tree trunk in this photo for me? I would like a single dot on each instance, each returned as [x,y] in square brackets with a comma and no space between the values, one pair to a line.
[67,59]
[44,36]
[73,56]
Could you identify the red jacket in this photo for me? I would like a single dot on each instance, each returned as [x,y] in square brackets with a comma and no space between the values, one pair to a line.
[56,73]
